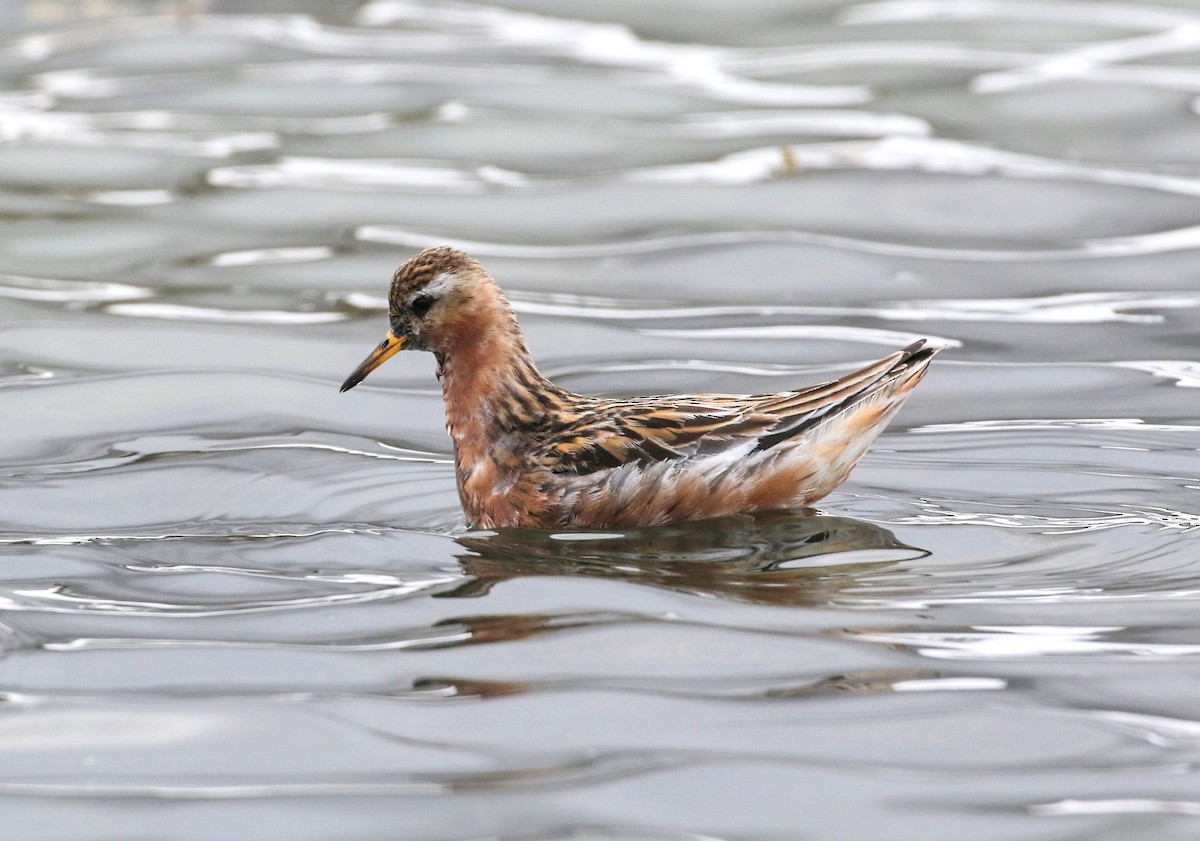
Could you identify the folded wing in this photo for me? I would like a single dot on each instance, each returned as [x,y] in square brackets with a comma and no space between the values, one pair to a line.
[604,435]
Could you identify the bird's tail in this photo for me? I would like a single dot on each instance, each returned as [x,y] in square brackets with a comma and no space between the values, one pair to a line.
[861,401]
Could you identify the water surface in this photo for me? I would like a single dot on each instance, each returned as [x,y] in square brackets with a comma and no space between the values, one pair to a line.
[237,604]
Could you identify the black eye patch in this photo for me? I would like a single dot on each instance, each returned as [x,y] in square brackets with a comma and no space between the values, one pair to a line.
[421,304]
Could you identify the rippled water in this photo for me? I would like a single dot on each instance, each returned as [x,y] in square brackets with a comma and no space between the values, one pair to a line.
[239,605]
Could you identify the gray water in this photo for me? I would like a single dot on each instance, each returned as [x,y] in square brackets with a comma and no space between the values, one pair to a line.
[238,605]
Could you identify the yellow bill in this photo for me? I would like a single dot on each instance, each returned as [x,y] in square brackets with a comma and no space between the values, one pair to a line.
[386,350]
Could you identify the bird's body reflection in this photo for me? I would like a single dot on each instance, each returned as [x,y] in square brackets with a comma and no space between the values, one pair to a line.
[788,559]
[785,558]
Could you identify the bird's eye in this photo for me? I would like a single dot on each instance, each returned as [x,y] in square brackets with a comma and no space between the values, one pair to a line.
[421,304]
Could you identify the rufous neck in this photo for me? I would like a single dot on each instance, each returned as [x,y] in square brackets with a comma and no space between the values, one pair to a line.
[490,385]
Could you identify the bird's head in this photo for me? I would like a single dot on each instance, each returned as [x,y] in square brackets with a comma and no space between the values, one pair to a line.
[439,299]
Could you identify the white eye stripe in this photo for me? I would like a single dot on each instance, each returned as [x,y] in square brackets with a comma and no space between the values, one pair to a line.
[440,285]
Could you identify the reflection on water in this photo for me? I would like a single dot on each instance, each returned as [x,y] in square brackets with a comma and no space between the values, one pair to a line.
[232,599]
[782,559]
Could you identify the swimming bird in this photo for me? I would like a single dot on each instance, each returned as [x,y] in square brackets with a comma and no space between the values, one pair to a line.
[529,453]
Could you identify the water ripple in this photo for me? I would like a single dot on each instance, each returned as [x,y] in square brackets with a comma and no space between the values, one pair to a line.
[65,600]
[1069,308]
[1159,242]
[315,173]
[1119,424]
[580,771]
[692,67]
[1089,519]
[743,688]
[1023,641]
[234,531]
[183,312]
[68,291]
[1158,730]
[446,633]
[720,124]
[1115,806]
[806,331]
[271,256]
[850,54]
[1184,373]
[124,131]
[1115,15]
[893,153]
[127,198]
[151,447]
[1169,31]
[1081,62]
[907,154]
[447,29]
